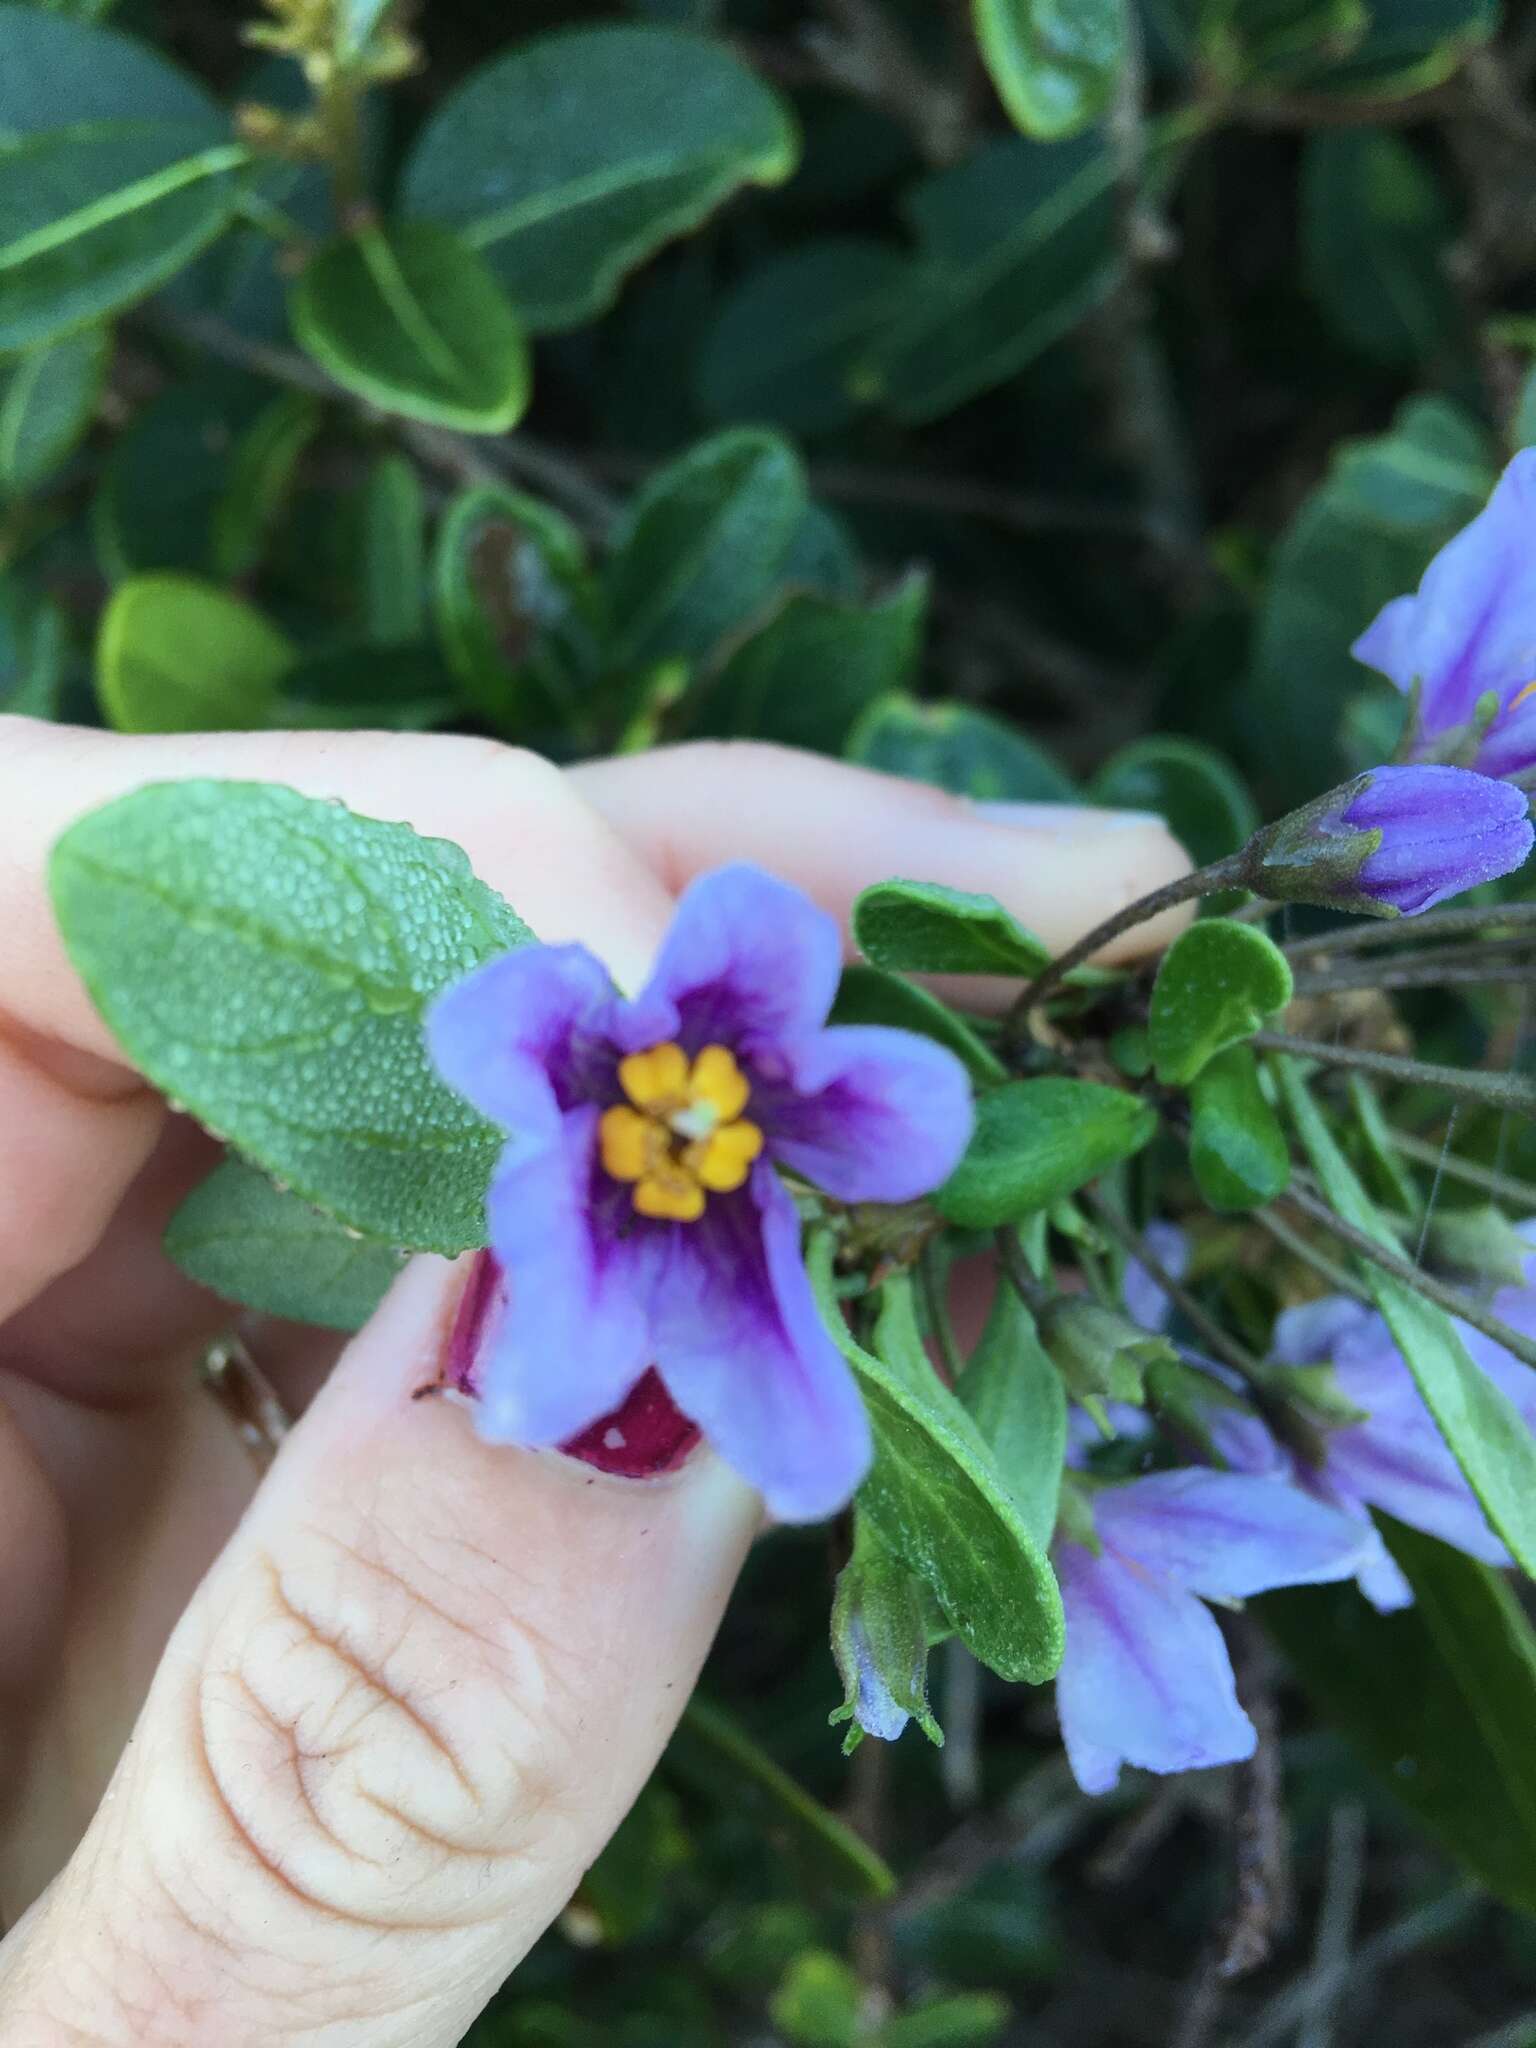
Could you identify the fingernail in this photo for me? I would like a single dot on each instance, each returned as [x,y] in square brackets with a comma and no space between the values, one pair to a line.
[645,1436]
[1070,819]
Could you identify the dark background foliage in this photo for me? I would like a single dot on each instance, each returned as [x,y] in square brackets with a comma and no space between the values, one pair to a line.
[1074,464]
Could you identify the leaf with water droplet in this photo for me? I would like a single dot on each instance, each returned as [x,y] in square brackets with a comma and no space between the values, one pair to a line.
[267,959]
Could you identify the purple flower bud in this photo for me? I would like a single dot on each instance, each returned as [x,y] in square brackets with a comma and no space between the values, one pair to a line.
[1394,841]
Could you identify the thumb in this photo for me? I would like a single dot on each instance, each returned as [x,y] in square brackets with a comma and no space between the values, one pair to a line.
[404,1711]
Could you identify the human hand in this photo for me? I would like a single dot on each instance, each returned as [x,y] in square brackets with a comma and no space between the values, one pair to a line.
[367,1723]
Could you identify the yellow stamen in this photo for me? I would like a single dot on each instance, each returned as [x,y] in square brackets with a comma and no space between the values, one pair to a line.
[681,1135]
[1521,695]
[723,1160]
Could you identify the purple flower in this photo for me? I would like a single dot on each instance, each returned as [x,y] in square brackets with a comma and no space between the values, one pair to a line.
[637,1211]
[1393,841]
[1466,640]
[1146,1679]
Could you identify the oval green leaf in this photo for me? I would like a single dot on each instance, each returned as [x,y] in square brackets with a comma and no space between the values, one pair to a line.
[1054,62]
[571,160]
[1218,982]
[411,318]
[958,748]
[1237,1148]
[1208,808]
[866,995]
[926,928]
[115,170]
[46,404]
[266,960]
[178,655]
[1036,1141]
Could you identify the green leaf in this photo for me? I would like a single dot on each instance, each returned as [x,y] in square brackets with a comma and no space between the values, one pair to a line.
[517,612]
[1364,536]
[925,928]
[356,685]
[266,960]
[714,1751]
[115,170]
[34,643]
[1237,1147]
[701,545]
[1196,788]
[1439,1699]
[820,2003]
[394,543]
[962,2019]
[959,749]
[1054,62]
[805,677]
[822,556]
[880,1619]
[1480,1424]
[630,1885]
[1376,229]
[786,343]
[244,1238]
[570,161]
[411,318]
[1218,982]
[1015,246]
[168,475]
[1036,1141]
[260,478]
[177,655]
[865,995]
[1407,46]
[937,1499]
[47,401]
[1015,1397]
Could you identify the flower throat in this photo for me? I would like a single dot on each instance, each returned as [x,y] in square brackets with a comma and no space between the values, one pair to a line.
[681,1135]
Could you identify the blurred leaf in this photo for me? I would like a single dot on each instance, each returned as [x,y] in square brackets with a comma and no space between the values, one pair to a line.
[357,685]
[227,937]
[1038,1140]
[47,401]
[177,655]
[244,1238]
[865,995]
[1054,62]
[1439,1699]
[115,169]
[937,1499]
[411,318]
[517,609]
[1406,46]
[962,750]
[1199,792]
[628,1887]
[1480,1424]
[961,2020]
[820,2002]
[167,475]
[33,644]
[394,544]
[1000,1928]
[260,476]
[785,344]
[1015,246]
[1015,1397]
[1364,536]
[1237,1148]
[701,544]
[822,556]
[925,928]
[1217,983]
[1376,232]
[569,161]
[713,1750]
[804,677]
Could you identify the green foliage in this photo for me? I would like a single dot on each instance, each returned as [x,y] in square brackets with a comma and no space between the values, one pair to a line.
[32,652]
[177,655]
[266,960]
[865,995]
[1218,983]
[1036,1141]
[1237,1147]
[959,749]
[880,1635]
[247,1239]
[1054,63]
[47,398]
[1375,229]
[1209,808]
[924,928]
[1015,1397]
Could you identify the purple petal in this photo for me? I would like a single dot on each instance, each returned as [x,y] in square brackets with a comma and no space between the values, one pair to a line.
[747,962]
[1379,1578]
[741,1345]
[572,1338]
[1313,1333]
[1442,830]
[1146,1679]
[1145,1301]
[540,1018]
[1472,625]
[1226,1534]
[869,1114]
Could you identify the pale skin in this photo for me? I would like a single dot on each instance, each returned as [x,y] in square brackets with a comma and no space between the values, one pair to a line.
[315,1759]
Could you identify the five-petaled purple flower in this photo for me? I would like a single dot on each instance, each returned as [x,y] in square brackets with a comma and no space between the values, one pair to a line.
[638,1212]
[1466,639]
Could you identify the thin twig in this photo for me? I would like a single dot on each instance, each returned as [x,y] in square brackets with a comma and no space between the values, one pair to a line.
[1433,924]
[1500,974]
[1498,1091]
[1437,1921]
[1217,1340]
[1299,1247]
[1502,1186]
[1450,1299]
[1343,1877]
